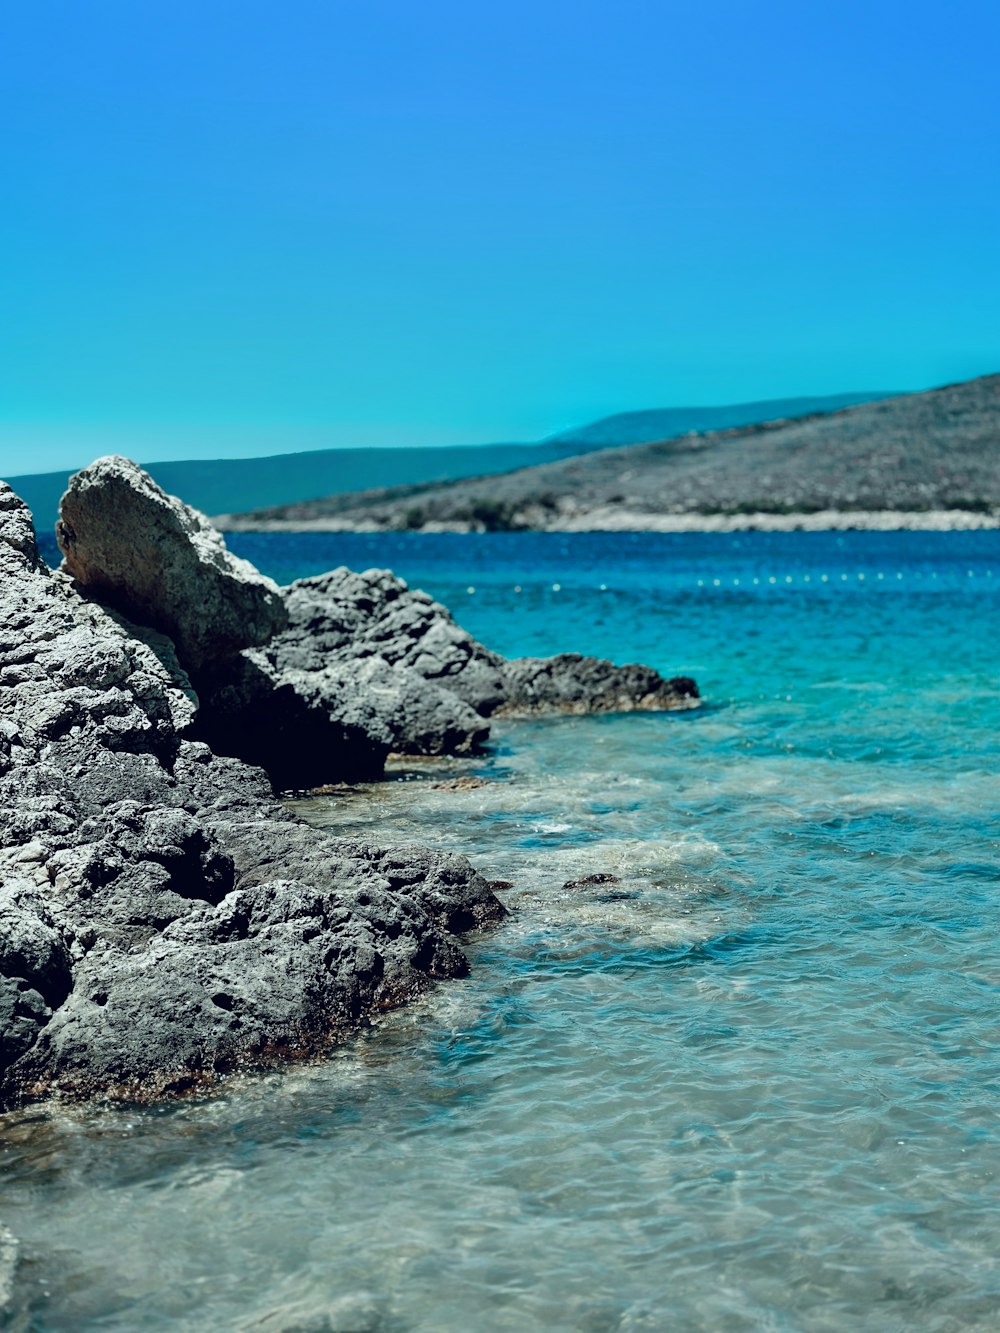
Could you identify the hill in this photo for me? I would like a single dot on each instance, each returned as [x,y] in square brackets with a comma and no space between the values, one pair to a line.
[235,485]
[666,423]
[225,484]
[911,455]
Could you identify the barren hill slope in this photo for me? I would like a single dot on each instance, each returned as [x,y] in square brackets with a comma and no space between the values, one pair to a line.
[933,451]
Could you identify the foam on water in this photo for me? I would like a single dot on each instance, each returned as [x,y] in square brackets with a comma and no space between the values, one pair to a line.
[750,1083]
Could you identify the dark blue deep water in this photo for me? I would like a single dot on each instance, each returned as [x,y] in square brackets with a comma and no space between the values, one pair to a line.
[753,1084]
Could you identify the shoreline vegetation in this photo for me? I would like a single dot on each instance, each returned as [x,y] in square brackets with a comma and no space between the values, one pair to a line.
[625,520]
[239,485]
[919,462]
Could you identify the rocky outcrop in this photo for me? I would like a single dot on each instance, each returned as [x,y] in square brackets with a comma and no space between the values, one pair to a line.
[162,918]
[355,666]
[316,704]
[334,723]
[344,615]
[162,564]
[570,683]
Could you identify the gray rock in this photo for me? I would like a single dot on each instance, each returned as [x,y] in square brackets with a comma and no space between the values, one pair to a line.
[365,668]
[162,918]
[161,563]
[343,615]
[64,669]
[341,621]
[349,667]
[333,723]
[570,683]
[302,729]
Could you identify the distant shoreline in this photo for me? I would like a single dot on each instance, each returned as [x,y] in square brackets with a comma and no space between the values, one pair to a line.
[623,520]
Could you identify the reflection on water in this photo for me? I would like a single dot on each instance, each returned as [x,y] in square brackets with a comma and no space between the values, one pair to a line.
[745,1078]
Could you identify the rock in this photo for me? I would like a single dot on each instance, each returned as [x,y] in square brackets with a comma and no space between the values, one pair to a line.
[347,667]
[156,650]
[364,668]
[346,628]
[344,615]
[162,564]
[65,668]
[301,730]
[588,881]
[34,967]
[162,918]
[332,723]
[570,683]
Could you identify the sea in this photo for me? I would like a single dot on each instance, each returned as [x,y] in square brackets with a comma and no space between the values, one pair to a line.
[747,1078]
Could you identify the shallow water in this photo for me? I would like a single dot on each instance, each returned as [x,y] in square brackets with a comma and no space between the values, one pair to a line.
[750,1083]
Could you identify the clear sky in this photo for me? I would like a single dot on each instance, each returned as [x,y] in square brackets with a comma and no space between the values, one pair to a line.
[243,226]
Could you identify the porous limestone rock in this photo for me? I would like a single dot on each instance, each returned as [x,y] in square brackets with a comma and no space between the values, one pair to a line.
[570,683]
[162,918]
[161,563]
[344,615]
[333,724]
[348,668]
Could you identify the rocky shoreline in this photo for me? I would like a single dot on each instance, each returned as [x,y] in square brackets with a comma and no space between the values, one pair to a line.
[165,919]
[617,519]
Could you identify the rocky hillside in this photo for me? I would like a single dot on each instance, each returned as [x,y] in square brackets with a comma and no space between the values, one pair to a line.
[912,454]
[665,423]
[234,485]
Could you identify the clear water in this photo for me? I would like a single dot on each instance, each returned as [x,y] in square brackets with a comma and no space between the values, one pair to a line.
[751,1085]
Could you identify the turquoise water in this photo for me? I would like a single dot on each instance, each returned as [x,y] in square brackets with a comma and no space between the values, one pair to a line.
[749,1084]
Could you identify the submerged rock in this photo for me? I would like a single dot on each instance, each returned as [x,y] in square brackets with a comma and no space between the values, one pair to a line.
[162,918]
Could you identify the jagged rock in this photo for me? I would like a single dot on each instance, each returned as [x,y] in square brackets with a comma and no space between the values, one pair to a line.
[65,669]
[343,615]
[161,563]
[34,964]
[156,650]
[337,722]
[162,918]
[570,683]
[297,728]
[330,702]
[365,667]
[349,667]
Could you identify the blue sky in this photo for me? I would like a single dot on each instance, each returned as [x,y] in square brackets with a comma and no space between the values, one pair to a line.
[239,228]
